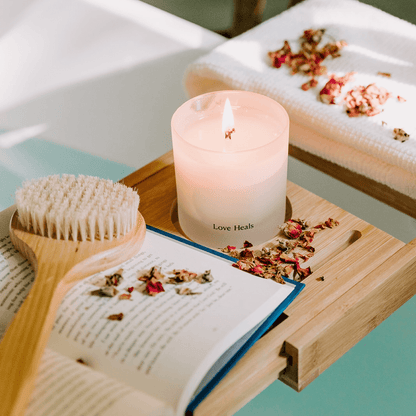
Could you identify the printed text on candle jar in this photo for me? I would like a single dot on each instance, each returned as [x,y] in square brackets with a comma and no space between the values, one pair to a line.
[236,227]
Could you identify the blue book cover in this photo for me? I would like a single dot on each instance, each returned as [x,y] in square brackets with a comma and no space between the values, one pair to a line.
[228,360]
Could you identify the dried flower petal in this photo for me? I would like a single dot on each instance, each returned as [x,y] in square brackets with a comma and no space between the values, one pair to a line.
[308,60]
[333,88]
[125,296]
[366,101]
[276,260]
[401,99]
[400,135]
[310,84]
[186,291]
[292,229]
[182,275]
[205,277]
[153,287]
[384,74]
[246,253]
[303,273]
[154,272]
[116,317]
[106,291]
[228,249]
[130,289]
[115,279]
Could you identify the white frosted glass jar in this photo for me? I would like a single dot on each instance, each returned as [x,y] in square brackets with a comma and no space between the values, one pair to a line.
[230,190]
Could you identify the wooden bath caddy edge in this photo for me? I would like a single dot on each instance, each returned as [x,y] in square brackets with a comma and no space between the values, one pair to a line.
[368,275]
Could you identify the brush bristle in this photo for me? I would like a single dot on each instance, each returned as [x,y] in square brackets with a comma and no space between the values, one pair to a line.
[78,208]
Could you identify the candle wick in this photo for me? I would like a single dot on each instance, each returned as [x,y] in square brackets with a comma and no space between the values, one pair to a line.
[228,133]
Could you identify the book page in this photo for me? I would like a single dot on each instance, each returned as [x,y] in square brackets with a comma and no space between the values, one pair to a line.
[165,344]
[16,274]
[67,388]
[63,386]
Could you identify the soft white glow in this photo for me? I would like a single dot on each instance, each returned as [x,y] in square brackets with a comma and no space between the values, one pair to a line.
[378,56]
[227,117]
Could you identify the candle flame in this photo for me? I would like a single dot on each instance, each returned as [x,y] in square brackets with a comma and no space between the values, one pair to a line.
[227,120]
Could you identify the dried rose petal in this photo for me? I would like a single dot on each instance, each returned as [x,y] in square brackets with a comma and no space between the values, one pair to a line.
[182,275]
[153,287]
[329,223]
[228,249]
[401,99]
[106,291]
[116,317]
[303,273]
[279,259]
[310,84]
[246,253]
[130,289]
[313,36]
[115,279]
[308,60]
[333,88]
[400,135]
[366,101]
[247,244]
[187,292]
[125,296]
[292,229]
[154,272]
[205,277]
[257,270]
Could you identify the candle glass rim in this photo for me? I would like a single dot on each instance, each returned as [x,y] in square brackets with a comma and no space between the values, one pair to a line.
[274,102]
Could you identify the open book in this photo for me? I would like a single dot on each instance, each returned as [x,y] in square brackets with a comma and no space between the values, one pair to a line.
[169,350]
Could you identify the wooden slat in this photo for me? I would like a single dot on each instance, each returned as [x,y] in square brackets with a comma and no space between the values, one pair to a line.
[358,311]
[383,193]
[345,255]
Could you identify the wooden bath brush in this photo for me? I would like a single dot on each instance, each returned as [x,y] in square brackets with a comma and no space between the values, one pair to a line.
[68,228]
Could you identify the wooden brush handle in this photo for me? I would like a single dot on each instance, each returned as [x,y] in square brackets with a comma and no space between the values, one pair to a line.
[59,265]
[23,345]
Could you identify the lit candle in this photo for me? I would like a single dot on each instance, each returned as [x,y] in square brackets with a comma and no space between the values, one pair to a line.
[230,167]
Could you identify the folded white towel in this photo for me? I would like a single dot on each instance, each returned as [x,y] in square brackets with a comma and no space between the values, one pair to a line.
[377,42]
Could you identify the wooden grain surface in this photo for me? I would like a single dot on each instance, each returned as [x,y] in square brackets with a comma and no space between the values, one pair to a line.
[362,286]
[377,190]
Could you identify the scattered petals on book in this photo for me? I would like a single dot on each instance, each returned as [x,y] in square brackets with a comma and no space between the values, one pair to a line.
[115,279]
[106,291]
[125,296]
[187,291]
[282,257]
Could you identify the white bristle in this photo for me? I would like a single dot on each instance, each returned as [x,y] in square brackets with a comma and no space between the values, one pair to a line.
[82,208]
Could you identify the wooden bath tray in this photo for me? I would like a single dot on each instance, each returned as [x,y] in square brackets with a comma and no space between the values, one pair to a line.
[368,274]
